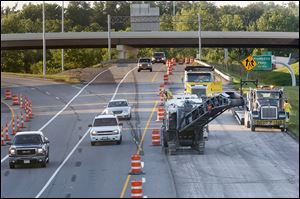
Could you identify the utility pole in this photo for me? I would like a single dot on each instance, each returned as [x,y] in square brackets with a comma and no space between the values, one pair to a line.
[62,30]
[174,2]
[44,42]
[199,34]
[109,39]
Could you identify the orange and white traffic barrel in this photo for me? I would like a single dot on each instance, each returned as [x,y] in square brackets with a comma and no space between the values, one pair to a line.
[136,164]
[15,100]
[7,94]
[155,137]
[136,189]
[2,137]
[166,78]
[160,114]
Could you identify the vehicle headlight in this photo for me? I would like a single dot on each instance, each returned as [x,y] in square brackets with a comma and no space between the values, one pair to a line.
[116,131]
[149,64]
[153,58]
[40,150]
[12,151]
[94,132]
[139,64]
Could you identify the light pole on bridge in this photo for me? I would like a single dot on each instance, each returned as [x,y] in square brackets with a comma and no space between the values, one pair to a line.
[62,30]
[44,42]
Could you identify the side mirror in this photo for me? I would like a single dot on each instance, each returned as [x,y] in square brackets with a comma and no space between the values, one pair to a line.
[9,143]
[46,140]
[89,125]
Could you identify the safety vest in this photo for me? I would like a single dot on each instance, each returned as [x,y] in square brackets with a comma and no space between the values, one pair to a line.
[287,107]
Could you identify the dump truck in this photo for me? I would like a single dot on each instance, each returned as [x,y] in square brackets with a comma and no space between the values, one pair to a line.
[185,120]
[264,108]
[200,80]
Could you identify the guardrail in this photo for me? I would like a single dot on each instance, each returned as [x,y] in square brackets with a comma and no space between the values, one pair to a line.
[228,78]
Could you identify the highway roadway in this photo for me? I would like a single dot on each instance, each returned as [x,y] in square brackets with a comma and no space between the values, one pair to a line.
[236,161]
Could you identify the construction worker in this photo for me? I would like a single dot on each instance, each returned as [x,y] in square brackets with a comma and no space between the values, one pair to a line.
[287,108]
[167,95]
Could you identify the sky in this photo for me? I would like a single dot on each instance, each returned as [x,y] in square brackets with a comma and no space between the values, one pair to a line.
[217,3]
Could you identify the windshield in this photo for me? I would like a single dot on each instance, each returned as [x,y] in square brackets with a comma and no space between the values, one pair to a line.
[196,77]
[117,104]
[159,54]
[28,139]
[267,95]
[145,60]
[105,122]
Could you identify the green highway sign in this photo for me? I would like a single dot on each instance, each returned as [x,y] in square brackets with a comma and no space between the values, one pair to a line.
[267,53]
[263,63]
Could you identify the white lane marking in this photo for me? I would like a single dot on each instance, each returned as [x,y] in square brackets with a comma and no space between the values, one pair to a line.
[47,93]
[62,164]
[121,83]
[2,160]
[76,87]
[33,88]
[57,98]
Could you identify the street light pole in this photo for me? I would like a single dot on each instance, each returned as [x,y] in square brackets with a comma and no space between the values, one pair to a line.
[108,35]
[44,42]
[62,30]
[199,34]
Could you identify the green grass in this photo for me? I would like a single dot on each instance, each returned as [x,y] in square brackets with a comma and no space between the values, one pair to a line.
[56,77]
[293,95]
[278,77]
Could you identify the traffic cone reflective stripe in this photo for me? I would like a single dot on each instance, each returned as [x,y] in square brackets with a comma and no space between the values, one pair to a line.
[166,77]
[18,123]
[13,127]
[15,100]
[27,116]
[136,189]
[7,94]
[155,137]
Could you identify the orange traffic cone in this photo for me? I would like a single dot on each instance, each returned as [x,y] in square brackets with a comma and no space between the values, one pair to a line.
[7,94]
[160,114]
[27,115]
[2,137]
[22,120]
[21,101]
[15,100]
[13,127]
[6,134]
[18,123]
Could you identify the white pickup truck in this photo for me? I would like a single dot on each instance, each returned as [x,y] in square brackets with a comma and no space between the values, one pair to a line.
[105,128]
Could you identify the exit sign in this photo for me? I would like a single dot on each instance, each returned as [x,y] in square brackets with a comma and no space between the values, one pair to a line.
[263,63]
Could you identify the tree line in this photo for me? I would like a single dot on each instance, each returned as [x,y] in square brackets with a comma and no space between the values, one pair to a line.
[82,16]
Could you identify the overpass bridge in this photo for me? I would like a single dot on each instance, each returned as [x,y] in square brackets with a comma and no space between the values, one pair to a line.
[155,39]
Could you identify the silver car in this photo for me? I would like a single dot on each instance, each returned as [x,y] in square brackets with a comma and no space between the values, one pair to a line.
[144,64]
[119,108]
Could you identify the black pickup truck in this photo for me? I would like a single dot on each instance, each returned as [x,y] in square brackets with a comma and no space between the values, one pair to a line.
[159,57]
[29,147]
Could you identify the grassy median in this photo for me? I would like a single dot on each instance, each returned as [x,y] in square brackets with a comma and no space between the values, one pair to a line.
[278,77]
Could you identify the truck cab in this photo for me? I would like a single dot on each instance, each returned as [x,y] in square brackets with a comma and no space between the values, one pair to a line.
[264,108]
[200,80]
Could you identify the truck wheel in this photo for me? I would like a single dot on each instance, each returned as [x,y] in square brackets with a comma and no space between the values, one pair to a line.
[283,129]
[139,70]
[12,166]
[151,70]
[248,124]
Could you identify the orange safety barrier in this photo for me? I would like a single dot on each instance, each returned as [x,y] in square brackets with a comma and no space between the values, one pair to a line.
[160,114]
[136,189]
[15,100]
[155,137]
[166,78]
[7,94]
[7,138]
[136,165]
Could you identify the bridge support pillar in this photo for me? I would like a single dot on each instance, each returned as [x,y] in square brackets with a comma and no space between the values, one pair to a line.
[127,52]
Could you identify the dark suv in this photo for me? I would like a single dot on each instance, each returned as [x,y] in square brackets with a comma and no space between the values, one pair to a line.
[144,64]
[29,147]
[159,57]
